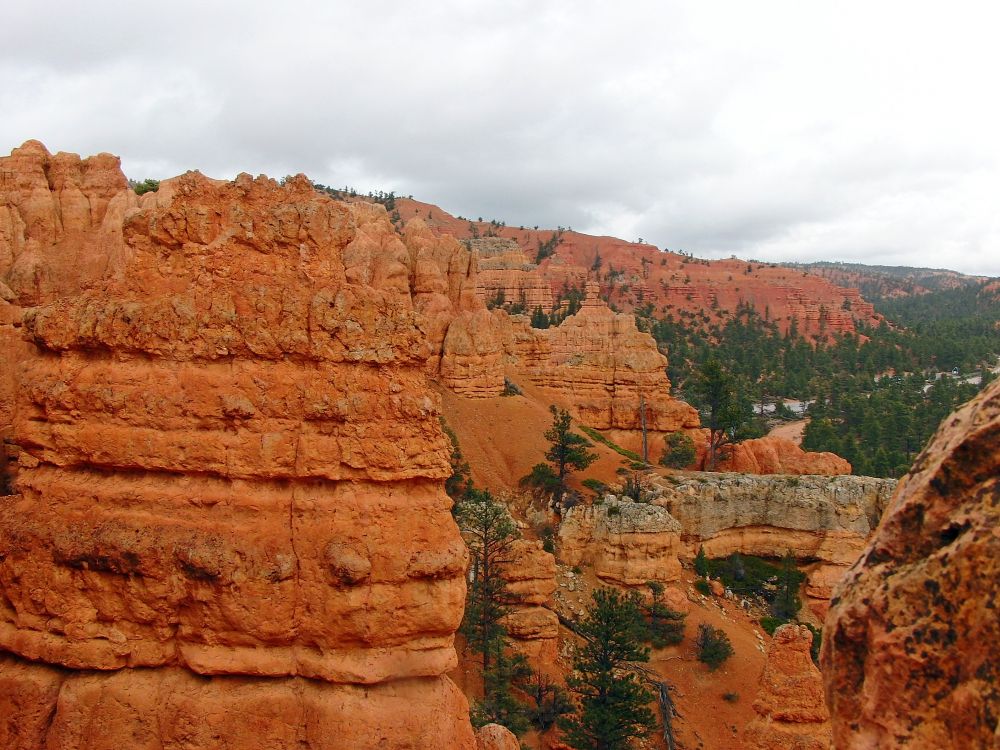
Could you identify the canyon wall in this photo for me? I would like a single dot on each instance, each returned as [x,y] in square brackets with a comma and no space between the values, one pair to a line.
[230,528]
[604,369]
[910,643]
[823,521]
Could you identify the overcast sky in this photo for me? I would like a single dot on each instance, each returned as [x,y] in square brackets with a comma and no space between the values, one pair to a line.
[865,131]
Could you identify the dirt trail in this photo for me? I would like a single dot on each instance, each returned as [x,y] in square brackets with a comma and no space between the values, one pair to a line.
[791,430]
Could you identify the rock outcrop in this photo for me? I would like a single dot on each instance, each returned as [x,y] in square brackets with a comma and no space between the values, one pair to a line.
[626,543]
[790,705]
[496,737]
[60,221]
[776,455]
[909,646]
[230,528]
[507,276]
[823,521]
[531,581]
[605,369]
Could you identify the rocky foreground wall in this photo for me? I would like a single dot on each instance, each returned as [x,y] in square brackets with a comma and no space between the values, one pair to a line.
[910,642]
[230,529]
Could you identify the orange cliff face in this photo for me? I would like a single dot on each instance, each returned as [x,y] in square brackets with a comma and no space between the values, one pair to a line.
[230,526]
[633,275]
[910,642]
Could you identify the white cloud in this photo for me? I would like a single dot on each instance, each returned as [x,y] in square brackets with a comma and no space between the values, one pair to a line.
[776,129]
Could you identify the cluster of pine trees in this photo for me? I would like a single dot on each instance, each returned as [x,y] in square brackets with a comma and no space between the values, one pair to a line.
[874,397]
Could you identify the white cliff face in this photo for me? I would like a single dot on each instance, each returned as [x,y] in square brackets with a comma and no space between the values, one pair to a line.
[625,542]
[709,504]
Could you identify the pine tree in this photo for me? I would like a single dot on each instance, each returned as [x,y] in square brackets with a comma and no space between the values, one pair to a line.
[786,602]
[489,533]
[726,408]
[567,453]
[701,563]
[613,702]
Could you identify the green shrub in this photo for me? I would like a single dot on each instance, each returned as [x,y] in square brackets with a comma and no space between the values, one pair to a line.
[749,576]
[770,623]
[595,435]
[713,646]
[678,450]
[730,697]
[703,587]
[146,186]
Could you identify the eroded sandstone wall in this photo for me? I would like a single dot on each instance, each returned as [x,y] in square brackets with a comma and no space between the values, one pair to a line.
[910,642]
[231,529]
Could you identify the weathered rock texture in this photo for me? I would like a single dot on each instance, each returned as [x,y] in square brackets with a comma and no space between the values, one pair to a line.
[776,455]
[232,465]
[506,273]
[910,642]
[822,521]
[60,221]
[790,705]
[496,737]
[599,363]
[531,581]
[625,542]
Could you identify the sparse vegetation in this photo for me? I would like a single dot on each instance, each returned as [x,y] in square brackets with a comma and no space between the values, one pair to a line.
[145,186]
[613,701]
[714,647]
[598,437]
[678,450]
[567,453]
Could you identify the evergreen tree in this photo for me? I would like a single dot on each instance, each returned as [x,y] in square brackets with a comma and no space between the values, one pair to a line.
[613,702]
[678,450]
[489,533]
[714,646]
[727,413]
[567,453]
[786,602]
[701,562]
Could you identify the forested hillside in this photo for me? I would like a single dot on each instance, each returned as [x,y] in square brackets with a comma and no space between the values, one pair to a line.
[874,398]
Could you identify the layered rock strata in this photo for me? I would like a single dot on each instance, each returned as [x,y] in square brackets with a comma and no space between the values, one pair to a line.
[909,646]
[626,543]
[531,581]
[823,521]
[231,478]
[605,369]
[790,705]
[507,274]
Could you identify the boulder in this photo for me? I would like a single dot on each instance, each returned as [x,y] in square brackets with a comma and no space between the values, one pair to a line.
[909,645]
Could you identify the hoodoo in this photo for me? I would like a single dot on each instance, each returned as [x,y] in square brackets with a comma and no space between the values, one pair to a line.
[230,528]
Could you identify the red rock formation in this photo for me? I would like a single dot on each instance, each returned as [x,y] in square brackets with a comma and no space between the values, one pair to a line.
[531,581]
[636,274]
[506,272]
[60,221]
[775,455]
[791,712]
[909,645]
[605,369]
[626,543]
[496,737]
[232,476]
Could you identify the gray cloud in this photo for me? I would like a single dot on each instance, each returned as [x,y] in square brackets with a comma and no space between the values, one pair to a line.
[778,130]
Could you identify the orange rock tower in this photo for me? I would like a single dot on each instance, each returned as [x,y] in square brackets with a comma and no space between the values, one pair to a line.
[230,529]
